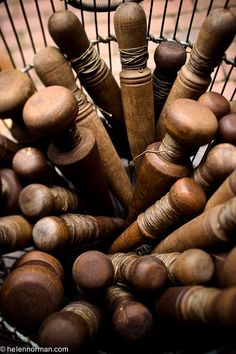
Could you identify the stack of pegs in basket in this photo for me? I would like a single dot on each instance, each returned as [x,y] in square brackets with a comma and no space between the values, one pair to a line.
[113,263]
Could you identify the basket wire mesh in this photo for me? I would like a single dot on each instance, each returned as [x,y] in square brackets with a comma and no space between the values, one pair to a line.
[24,31]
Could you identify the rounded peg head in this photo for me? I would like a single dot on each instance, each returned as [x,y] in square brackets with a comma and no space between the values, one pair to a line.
[29,294]
[16,88]
[64,329]
[190,123]
[188,196]
[39,257]
[50,111]
[30,165]
[216,102]
[93,271]
[130,25]
[227,129]
[50,234]
[169,56]
[68,33]
[36,201]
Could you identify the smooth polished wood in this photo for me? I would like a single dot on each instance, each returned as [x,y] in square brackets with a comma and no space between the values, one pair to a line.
[227,129]
[225,263]
[215,36]
[11,187]
[135,77]
[216,102]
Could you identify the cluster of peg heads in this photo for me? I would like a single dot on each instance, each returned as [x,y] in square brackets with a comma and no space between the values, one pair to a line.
[107,252]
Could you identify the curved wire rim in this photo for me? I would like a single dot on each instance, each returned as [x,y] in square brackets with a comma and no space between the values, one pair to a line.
[81,5]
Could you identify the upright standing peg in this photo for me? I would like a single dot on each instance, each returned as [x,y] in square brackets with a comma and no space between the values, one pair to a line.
[224,192]
[53,69]
[184,200]
[15,233]
[211,229]
[37,200]
[191,267]
[9,192]
[198,304]
[145,274]
[75,327]
[131,319]
[54,234]
[189,125]
[29,294]
[135,77]
[225,268]
[15,87]
[74,151]
[215,36]
[93,272]
[68,33]
[169,57]
[219,163]
[216,102]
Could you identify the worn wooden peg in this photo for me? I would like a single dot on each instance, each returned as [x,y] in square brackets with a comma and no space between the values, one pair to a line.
[191,267]
[37,200]
[55,234]
[74,151]
[145,274]
[135,77]
[185,199]
[189,125]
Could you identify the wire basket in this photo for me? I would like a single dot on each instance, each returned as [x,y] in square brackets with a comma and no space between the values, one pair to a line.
[24,32]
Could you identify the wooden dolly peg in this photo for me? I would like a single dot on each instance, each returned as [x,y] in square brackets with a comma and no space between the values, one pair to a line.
[53,69]
[224,192]
[10,190]
[16,88]
[131,319]
[39,257]
[191,267]
[29,294]
[135,77]
[216,102]
[69,35]
[212,229]
[15,233]
[145,274]
[75,327]
[219,163]
[227,129]
[93,272]
[225,268]
[37,200]
[189,125]
[184,200]
[54,234]
[74,151]
[169,57]
[198,304]
[215,35]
